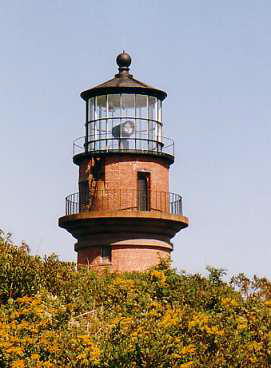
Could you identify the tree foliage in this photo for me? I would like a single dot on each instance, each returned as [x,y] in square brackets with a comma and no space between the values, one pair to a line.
[53,315]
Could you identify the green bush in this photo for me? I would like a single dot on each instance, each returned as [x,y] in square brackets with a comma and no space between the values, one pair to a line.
[53,315]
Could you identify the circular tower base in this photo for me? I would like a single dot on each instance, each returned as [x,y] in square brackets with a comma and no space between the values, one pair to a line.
[122,240]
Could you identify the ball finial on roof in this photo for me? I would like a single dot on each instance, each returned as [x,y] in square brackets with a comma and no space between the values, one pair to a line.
[123,61]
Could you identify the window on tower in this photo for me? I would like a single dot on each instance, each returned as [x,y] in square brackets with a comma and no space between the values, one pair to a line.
[143,190]
[106,253]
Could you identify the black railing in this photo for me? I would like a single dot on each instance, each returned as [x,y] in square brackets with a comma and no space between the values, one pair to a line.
[124,200]
[124,144]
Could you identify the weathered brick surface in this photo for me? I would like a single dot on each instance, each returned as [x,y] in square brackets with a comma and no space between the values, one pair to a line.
[84,170]
[121,172]
[136,258]
[115,188]
[123,258]
[90,256]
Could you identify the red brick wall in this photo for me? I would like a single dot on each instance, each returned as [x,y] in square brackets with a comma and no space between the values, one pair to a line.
[123,258]
[121,172]
[120,181]
[121,175]
[89,256]
[117,189]
[136,258]
[85,170]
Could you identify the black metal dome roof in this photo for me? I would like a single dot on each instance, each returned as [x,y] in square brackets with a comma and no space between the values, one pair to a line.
[123,82]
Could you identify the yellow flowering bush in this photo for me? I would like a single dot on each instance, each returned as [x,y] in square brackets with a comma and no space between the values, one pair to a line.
[52,315]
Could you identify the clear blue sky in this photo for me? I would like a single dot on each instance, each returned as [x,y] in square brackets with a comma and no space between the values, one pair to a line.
[214,60]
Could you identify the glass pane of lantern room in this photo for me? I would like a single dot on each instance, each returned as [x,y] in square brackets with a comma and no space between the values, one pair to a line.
[91,123]
[128,105]
[141,106]
[152,108]
[91,106]
[152,125]
[113,106]
[159,135]
[114,114]
[101,107]
[127,130]
[141,121]
[101,115]
[159,110]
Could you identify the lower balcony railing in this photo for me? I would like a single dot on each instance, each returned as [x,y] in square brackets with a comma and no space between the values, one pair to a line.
[124,200]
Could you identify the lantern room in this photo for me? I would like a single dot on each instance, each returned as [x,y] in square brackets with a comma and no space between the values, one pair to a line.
[124,121]
[124,114]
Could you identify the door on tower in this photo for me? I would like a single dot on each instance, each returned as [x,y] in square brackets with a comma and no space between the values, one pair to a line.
[143,191]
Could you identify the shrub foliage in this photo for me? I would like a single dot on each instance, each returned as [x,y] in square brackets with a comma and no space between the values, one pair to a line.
[52,315]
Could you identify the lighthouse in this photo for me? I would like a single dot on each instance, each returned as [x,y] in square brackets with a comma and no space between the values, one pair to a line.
[124,215]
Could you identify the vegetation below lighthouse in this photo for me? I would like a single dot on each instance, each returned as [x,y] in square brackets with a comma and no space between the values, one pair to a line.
[53,315]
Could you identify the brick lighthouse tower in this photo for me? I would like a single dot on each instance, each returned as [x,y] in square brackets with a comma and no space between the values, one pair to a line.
[124,215]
